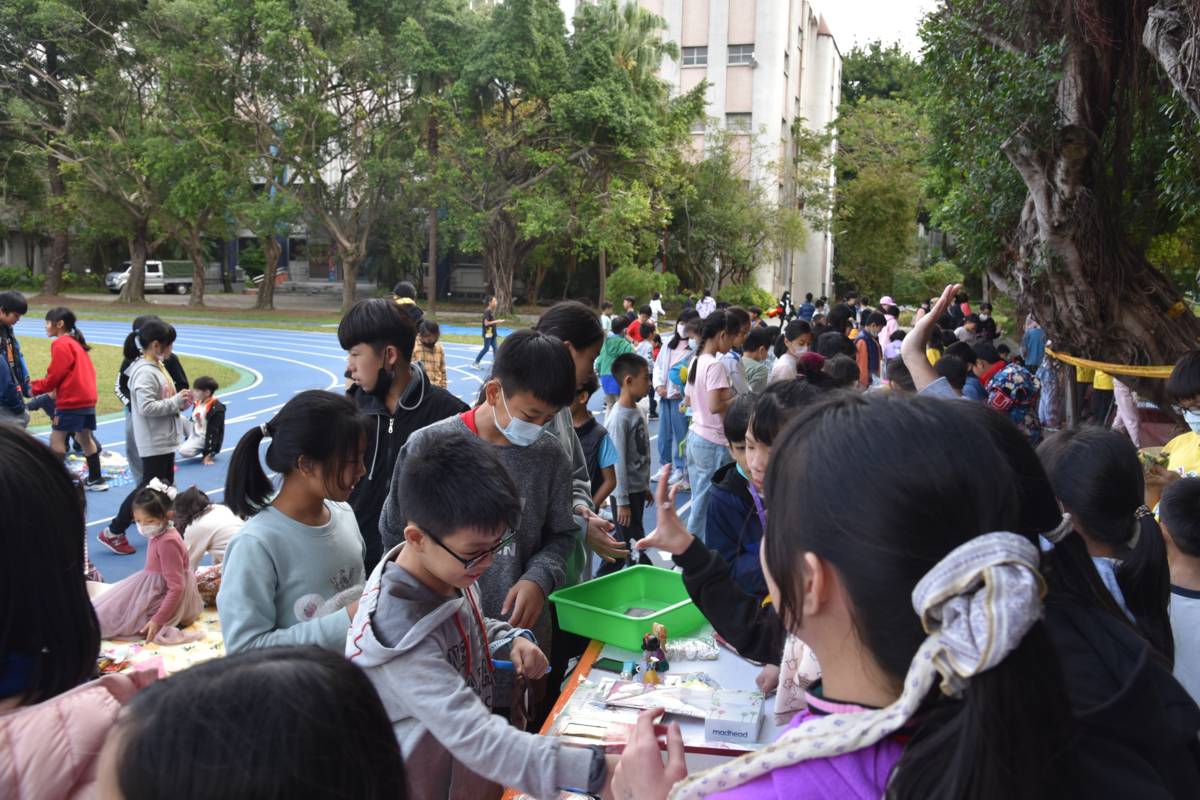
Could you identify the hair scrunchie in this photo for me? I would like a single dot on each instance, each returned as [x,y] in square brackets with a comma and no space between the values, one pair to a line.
[166,488]
[976,604]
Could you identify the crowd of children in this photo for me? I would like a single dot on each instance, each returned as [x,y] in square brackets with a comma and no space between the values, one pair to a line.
[387,596]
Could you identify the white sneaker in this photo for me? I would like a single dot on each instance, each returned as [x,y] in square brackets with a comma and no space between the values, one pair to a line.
[656,477]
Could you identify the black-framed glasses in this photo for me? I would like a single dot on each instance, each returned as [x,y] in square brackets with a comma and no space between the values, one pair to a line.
[479,559]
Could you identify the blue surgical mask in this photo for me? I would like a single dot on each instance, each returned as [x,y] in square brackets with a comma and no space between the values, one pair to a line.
[1192,418]
[518,431]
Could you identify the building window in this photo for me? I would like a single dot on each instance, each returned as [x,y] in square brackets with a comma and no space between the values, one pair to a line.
[698,125]
[741,54]
[741,122]
[787,59]
[695,56]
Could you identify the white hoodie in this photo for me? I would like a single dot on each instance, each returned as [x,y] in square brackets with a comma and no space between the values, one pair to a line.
[436,682]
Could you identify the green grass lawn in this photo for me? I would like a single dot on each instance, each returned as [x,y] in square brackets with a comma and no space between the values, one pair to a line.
[107,360]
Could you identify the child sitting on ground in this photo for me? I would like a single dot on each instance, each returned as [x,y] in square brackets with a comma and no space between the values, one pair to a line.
[298,560]
[429,353]
[1179,513]
[425,639]
[281,722]
[206,526]
[207,422]
[627,428]
[159,600]
[597,445]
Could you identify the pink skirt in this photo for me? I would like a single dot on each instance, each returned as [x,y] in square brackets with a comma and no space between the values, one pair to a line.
[126,608]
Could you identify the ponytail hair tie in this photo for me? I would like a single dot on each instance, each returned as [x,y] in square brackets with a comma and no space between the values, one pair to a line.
[265,431]
[1059,533]
[158,486]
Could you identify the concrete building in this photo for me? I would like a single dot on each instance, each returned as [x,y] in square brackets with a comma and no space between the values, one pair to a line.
[768,63]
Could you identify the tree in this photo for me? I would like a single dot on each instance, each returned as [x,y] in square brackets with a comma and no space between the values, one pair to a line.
[876,229]
[722,226]
[48,51]
[1048,122]
[878,70]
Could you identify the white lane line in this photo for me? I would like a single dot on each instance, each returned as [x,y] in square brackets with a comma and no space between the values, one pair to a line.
[263,396]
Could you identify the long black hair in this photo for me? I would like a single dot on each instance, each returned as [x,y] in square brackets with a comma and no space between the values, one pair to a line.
[131,351]
[572,322]
[1009,734]
[794,330]
[1098,478]
[711,327]
[277,723]
[67,317]
[322,426]
[47,625]
[688,319]
[151,329]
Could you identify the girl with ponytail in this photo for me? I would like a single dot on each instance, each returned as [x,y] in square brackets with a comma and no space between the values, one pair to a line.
[157,428]
[72,379]
[131,353]
[1098,478]
[939,676]
[294,572]
[708,394]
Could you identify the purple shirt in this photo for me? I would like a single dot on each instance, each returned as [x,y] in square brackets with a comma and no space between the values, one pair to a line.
[861,775]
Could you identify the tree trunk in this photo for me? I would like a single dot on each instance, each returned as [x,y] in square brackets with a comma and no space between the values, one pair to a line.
[1073,264]
[351,260]
[603,270]
[431,289]
[53,282]
[1172,36]
[503,252]
[572,261]
[266,290]
[58,189]
[195,249]
[134,290]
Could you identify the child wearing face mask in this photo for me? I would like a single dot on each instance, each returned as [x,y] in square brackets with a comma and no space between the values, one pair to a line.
[532,379]
[796,339]
[673,423]
[1183,452]
[162,598]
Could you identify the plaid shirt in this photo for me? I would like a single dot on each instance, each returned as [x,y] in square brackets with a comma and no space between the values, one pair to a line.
[433,361]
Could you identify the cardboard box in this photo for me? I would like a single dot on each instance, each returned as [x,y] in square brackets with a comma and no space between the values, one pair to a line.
[734,716]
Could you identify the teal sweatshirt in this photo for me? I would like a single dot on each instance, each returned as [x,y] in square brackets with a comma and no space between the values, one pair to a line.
[614,346]
[287,583]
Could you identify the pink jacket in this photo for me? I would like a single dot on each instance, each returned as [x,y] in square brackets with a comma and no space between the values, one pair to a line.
[51,749]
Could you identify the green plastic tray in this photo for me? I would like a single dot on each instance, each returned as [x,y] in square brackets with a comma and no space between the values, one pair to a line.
[599,609]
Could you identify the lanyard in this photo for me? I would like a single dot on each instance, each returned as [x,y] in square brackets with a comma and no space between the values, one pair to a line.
[758,505]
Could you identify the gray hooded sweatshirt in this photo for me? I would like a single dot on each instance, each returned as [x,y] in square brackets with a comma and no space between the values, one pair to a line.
[428,657]
[154,407]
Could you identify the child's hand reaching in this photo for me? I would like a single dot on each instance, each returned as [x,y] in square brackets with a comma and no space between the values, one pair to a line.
[641,774]
[671,534]
[150,630]
[525,600]
[528,659]
[623,516]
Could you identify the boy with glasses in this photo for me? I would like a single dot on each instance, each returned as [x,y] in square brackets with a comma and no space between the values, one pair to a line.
[424,638]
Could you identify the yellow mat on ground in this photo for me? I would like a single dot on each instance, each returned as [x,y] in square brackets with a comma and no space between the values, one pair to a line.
[128,656]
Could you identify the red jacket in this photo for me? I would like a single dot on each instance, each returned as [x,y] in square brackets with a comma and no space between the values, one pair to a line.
[71,375]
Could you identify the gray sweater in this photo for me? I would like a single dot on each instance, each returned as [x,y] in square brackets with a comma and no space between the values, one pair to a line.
[155,407]
[427,657]
[627,429]
[546,535]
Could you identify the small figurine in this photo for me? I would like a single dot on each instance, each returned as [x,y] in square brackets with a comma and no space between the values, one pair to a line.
[655,657]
